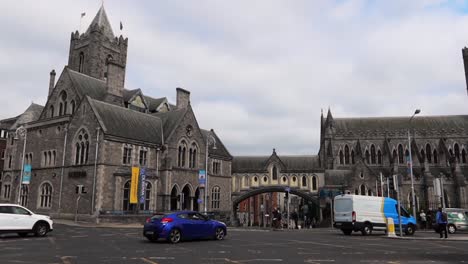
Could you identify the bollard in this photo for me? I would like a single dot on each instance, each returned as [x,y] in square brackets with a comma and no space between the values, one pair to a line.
[390,228]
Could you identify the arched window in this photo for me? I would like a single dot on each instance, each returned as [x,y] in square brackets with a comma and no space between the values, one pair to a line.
[63,103]
[49,158]
[215,197]
[72,107]
[423,155]
[81,147]
[369,192]
[341,157]
[367,156]
[6,187]
[362,189]
[127,206]
[395,156]
[457,151]
[428,153]
[373,154]
[193,155]
[346,154]
[436,157]
[146,205]
[314,183]
[463,156]
[401,158]
[407,155]
[45,198]
[52,111]
[352,156]
[379,157]
[24,195]
[182,154]
[304,181]
[275,173]
[81,64]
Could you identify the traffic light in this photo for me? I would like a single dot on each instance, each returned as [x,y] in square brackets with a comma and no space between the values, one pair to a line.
[286,196]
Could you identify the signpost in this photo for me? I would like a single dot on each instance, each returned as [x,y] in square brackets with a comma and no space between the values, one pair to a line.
[396,185]
[202,184]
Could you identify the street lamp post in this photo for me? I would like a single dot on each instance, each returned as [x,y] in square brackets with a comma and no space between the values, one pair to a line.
[210,140]
[21,131]
[411,164]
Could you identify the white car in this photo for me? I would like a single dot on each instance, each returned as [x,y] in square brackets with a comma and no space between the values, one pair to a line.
[17,219]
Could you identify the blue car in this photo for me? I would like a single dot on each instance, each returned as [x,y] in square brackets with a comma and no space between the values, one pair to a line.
[184,225]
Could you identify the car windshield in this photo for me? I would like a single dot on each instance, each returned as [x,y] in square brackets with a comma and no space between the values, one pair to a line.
[158,216]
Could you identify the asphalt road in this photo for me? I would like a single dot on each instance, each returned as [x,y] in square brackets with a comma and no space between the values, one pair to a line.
[71,244]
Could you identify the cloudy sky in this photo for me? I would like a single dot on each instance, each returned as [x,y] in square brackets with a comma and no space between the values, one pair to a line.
[259,71]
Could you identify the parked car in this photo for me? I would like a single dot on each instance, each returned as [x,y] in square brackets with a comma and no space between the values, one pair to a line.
[457,220]
[18,219]
[184,225]
[368,213]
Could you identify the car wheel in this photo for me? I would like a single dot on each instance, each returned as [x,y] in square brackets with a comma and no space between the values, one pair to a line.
[409,230]
[451,229]
[175,236]
[219,235]
[40,229]
[23,234]
[347,232]
[366,230]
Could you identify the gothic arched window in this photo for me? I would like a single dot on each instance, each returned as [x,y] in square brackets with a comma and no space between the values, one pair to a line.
[52,111]
[457,151]
[81,63]
[436,158]
[63,103]
[362,189]
[463,156]
[379,157]
[304,181]
[81,147]
[182,153]
[146,205]
[192,155]
[346,154]
[367,156]
[401,158]
[428,153]
[72,107]
[373,154]
[274,173]
[314,183]
[45,195]
[127,206]
[24,195]
[341,157]
[423,155]
[352,156]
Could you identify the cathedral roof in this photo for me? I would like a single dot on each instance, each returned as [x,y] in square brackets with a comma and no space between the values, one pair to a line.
[170,120]
[125,123]
[154,103]
[252,164]
[31,114]
[101,21]
[221,150]
[383,124]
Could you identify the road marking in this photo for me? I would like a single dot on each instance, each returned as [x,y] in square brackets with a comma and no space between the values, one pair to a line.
[318,260]
[163,258]
[231,261]
[80,236]
[266,260]
[148,261]
[65,259]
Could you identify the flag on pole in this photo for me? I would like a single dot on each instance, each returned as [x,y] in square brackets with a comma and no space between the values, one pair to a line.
[83,14]
[121,26]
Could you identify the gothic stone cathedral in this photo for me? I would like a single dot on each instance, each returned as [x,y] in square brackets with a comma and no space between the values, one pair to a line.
[93,130]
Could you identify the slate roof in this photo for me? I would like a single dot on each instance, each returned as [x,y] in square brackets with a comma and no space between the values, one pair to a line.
[87,85]
[154,103]
[125,123]
[251,164]
[31,114]
[457,122]
[5,124]
[220,150]
[101,21]
[128,94]
[170,120]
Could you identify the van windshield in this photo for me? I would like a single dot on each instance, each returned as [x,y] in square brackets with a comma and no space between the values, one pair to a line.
[343,205]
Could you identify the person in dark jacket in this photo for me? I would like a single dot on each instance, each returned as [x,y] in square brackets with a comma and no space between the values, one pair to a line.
[295,218]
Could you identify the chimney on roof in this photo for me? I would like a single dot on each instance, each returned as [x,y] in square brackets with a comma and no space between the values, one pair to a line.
[115,78]
[183,98]
[51,82]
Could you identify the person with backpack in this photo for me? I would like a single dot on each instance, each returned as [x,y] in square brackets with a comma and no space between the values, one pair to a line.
[441,219]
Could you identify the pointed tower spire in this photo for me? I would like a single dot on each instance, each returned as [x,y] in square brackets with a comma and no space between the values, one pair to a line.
[101,21]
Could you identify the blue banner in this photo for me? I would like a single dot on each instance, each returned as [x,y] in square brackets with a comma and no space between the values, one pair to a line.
[27,174]
[142,185]
[202,178]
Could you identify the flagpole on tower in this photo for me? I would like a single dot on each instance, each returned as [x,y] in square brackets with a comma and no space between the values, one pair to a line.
[81,18]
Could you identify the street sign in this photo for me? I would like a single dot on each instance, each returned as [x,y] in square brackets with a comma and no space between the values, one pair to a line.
[26,174]
[202,178]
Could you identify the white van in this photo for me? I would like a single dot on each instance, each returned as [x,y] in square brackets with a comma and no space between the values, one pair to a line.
[367,213]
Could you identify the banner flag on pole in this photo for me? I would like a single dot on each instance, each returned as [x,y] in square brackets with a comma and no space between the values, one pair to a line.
[26,174]
[83,14]
[121,26]
[134,185]
[143,185]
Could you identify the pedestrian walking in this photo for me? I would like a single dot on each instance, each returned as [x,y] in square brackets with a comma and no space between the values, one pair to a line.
[441,219]
[423,218]
[295,218]
[276,218]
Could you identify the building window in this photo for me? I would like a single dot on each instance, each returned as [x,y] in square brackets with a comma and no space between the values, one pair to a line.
[3,154]
[373,154]
[182,153]
[362,189]
[341,157]
[127,155]
[24,195]
[274,173]
[193,156]
[379,157]
[304,181]
[72,107]
[216,166]
[7,188]
[352,157]
[367,156]
[215,197]
[127,206]
[436,158]
[52,111]
[457,152]
[346,154]
[146,205]
[463,156]
[314,183]
[45,199]
[428,153]
[9,161]
[401,159]
[81,62]
[423,156]
[143,156]
[81,148]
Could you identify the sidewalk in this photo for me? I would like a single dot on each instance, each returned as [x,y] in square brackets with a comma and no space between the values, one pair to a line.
[431,235]
[87,224]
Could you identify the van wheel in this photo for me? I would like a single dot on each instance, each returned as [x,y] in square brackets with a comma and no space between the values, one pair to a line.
[347,232]
[366,230]
[409,230]
[451,229]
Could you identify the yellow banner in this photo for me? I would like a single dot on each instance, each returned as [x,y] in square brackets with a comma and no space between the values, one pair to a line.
[134,185]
